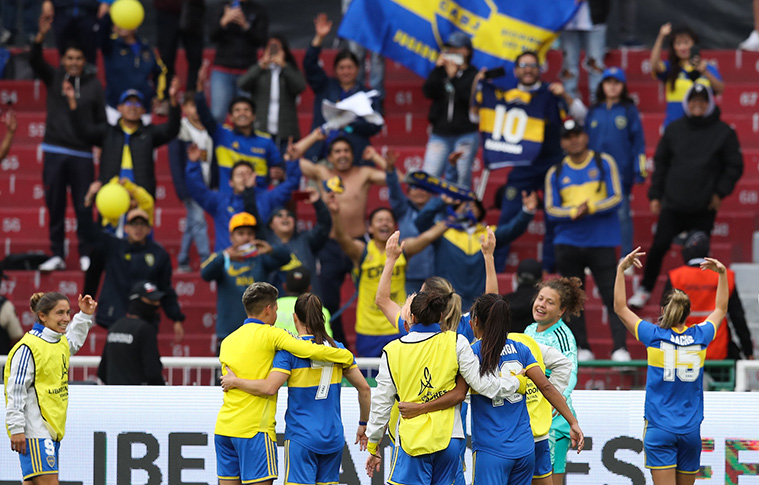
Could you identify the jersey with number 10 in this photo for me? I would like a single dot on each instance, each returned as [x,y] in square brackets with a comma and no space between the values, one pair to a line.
[675,380]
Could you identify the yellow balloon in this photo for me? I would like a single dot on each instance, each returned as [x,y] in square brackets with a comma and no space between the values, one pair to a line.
[112,200]
[127,14]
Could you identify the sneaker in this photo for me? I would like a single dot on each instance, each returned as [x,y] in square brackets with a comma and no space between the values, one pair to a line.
[84,263]
[621,355]
[184,268]
[56,263]
[584,355]
[751,43]
[639,298]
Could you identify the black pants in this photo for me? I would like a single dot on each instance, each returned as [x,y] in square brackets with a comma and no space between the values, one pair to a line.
[80,28]
[169,35]
[335,264]
[572,261]
[670,224]
[60,172]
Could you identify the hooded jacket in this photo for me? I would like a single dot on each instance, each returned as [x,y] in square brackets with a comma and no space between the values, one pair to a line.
[697,157]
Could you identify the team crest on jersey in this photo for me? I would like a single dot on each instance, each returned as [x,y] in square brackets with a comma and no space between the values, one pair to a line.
[511,193]
[621,122]
[236,145]
[149,259]
[594,123]
[565,181]
[593,173]
[50,461]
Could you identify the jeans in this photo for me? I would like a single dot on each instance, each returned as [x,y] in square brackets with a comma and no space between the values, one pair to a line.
[223,90]
[29,15]
[595,44]
[439,147]
[626,224]
[196,230]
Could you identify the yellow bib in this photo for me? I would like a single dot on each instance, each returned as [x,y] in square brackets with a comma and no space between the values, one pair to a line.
[423,371]
[51,380]
[369,318]
[537,405]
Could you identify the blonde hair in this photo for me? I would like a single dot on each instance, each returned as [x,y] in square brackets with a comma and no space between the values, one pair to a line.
[452,312]
[676,310]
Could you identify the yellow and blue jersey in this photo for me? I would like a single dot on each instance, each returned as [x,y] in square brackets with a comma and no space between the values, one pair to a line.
[569,185]
[683,83]
[675,380]
[502,427]
[313,401]
[369,318]
[258,149]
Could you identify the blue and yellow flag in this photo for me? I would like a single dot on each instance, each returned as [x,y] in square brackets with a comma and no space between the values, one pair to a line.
[412,32]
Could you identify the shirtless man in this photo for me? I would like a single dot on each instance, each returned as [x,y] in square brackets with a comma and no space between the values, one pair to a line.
[352,203]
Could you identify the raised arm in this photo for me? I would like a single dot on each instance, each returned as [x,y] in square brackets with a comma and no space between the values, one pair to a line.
[383,301]
[723,293]
[415,245]
[200,101]
[628,317]
[487,246]
[553,396]
[76,332]
[657,66]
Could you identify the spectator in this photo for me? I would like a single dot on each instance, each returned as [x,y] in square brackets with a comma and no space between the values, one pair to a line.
[303,246]
[242,29]
[405,209]
[344,84]
[221,205]
[614,127]
[75,22]
[701,288]
[130,356]
[178,19]
[245,261]
[275,84]
[449,86]
[67,156]
[192,131]
[529,274]
[697,163]
[297,282]
[10,19]
[138,197]
[627,24]
[129,64]
[548,105]
[683,68]
[240,141]
[128,261]
[128,147]
[752,42]
[10,327]
[373,330]
[587,29]
[582,196]
[457,253]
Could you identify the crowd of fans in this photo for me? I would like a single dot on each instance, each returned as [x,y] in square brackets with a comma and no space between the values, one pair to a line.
[242,160]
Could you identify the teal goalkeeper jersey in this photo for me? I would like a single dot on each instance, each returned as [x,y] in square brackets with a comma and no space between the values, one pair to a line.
[313,401]
[560,337]
[675,379]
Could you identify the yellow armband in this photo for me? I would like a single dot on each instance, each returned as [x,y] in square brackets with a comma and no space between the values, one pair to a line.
[372,448]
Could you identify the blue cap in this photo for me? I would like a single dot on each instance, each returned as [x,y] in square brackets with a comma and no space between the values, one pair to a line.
[129,93]
[458,39]
[614,72]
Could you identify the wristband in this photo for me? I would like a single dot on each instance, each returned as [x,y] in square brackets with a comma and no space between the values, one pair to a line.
[362,423]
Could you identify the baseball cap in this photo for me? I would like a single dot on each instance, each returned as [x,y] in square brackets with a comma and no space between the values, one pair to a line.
[458,39]
[569,127]
[242,219]
[696,246]
[615,73]
[130,93]
[137,212]
[146,289]
[700,90]
[529,271]
[297,280]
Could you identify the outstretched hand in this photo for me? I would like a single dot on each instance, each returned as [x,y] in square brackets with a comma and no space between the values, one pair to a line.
[713,264]
[487,241]
[632,259]
[87,305]
[530,201]
[393,250]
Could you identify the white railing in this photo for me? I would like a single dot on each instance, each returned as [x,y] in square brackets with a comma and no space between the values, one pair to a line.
[178,371]
[747,375]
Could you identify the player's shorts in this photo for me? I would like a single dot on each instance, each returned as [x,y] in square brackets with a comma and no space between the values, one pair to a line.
[438,467]
[543,466]
[41,457]
[664,449]
[490,469]
[249,460]
[372,345]
[303,466]
[560,442]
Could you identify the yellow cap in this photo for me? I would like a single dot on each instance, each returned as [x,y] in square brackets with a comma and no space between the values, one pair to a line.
[242,219]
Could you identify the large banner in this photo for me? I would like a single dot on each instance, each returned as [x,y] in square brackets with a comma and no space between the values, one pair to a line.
[412,32]
[149,435]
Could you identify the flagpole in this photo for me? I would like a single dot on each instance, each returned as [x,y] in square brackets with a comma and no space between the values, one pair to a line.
[483,183]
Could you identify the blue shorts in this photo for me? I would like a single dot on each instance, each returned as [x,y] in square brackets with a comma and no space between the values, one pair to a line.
[490,469]
[438,467]
[303,466]
[249,460]
[41,457]
[543,465]
[372,345]
[664,449]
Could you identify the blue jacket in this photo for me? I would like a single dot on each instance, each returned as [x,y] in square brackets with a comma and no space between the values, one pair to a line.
[223,205]
[324,87]
[619,132]
[178,164]
[405,213]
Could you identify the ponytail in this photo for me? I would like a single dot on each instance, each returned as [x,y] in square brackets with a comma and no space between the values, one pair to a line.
[308,308]
[428,307]
[676,309]
[494,319]
[452,312]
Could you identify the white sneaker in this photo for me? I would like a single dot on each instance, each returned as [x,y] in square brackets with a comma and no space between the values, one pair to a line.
[584,355]
[84,263]
[621,355]
[56,263]
[639,298]
[751,43]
